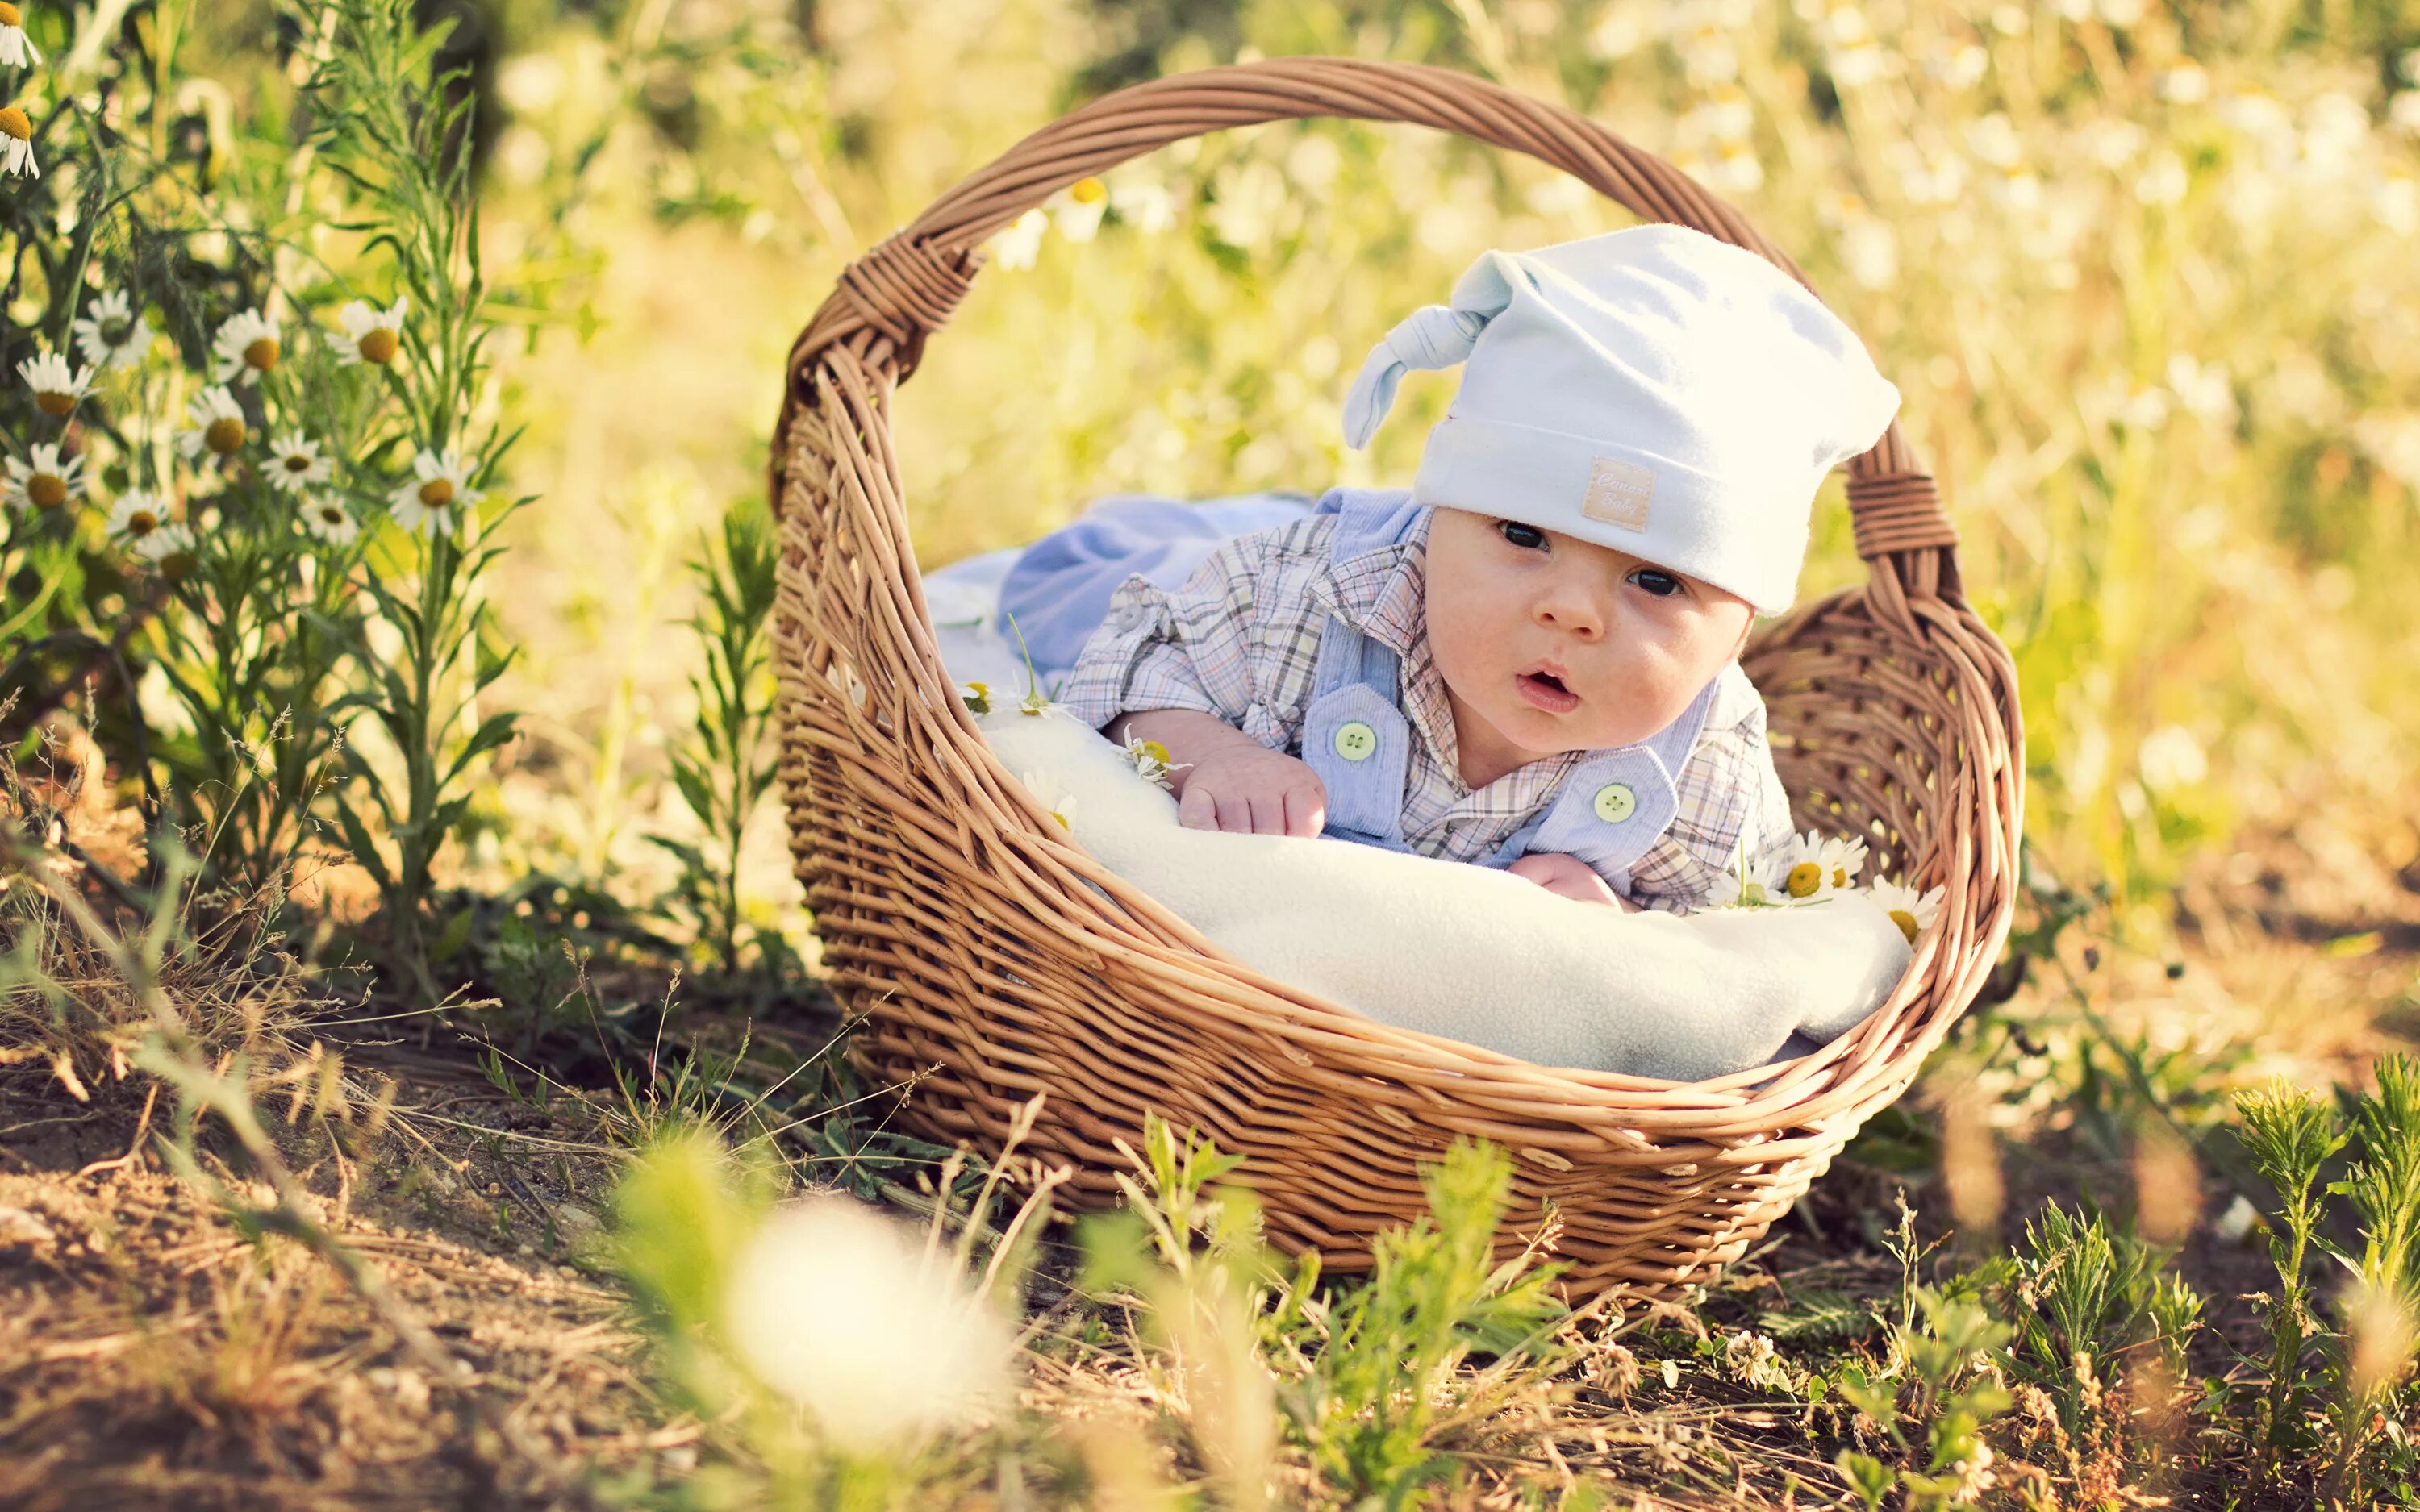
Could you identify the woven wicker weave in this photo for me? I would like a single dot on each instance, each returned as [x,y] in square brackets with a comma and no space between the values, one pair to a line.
[997,959]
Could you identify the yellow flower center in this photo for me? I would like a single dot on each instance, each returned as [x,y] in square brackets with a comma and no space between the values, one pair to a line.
[224,435]
[8,14]
[297,462]
[262,353]
[1906,922]
[114,330]
[52,402]
[1157,751]
[1087,191]
[378,345]
[1753,892]
[142,522]
[1803,879]
[437,493]
[47,490]
[1062,821]
[1840,876]
[13,123]
[331,515]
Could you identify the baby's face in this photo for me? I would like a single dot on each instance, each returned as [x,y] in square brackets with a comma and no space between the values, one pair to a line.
[1554,643]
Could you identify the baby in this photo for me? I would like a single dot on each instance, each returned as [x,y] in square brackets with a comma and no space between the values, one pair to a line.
[1529,658]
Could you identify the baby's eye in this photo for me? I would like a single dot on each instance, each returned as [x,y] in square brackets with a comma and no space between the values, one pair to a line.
[1520,534]
[1661,583]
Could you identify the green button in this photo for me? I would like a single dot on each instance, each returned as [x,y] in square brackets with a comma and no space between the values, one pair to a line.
[1356,741]
[1615,802]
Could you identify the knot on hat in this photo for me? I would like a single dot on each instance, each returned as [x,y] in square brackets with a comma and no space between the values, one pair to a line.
[1434,335]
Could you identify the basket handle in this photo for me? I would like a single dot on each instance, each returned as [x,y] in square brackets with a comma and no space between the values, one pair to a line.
[904,286]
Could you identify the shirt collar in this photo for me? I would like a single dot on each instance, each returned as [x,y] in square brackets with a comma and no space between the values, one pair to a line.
[1382,593]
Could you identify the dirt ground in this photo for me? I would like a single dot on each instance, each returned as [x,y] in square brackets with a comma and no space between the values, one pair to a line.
[153,1354]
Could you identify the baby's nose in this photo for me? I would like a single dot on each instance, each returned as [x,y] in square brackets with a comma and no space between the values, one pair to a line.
[1574,618]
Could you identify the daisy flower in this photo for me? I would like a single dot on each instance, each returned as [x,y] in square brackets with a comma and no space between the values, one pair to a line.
[1802,874]
[15,49]
[137,516]
[1076,210]
[1842,859]
[444,485]
[1144,203]
[45,483]
[371,336]
[111,333]
[1062,805]
[170,549]
[246,347]
[1756,882]
[17,143]
[1017,243]
[1151,763]
[329,520]
[976,696]
[1911,914]
[218,425]
[55,389]
[295,463]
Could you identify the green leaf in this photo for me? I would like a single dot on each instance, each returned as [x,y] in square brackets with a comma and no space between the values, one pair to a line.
[449,942]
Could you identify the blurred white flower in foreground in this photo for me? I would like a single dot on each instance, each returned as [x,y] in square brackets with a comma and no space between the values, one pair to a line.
[851,1316]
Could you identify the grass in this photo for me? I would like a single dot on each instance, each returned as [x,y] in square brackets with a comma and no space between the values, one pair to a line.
[408,1033]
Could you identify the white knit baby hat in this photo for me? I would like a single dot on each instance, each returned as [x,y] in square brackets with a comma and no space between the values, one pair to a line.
[1655,389]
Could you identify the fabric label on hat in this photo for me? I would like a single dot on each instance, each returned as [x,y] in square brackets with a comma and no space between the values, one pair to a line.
[1619,493]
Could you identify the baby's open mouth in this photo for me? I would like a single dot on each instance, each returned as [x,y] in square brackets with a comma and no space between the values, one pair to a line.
[1546,691]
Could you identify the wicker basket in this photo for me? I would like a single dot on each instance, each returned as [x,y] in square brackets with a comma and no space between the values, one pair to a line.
[997,959]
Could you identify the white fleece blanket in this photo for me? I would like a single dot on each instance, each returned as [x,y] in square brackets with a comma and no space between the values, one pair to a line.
[1440,946]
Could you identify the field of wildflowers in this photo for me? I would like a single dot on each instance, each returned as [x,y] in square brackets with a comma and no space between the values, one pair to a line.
[410,1048]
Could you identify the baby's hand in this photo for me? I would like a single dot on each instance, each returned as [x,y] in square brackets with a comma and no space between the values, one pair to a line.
[1245,788]
[1569,876]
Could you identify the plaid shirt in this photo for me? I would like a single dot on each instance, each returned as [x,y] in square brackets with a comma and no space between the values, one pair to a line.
[1240,641]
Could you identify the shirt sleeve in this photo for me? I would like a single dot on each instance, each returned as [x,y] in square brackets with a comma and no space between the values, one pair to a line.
[1189,649]
[1729,793]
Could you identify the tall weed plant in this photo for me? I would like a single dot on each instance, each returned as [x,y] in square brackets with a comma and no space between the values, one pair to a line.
[281,511]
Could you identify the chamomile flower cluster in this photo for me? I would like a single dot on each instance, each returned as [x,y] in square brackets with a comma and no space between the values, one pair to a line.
[112,335]
[1811,868]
